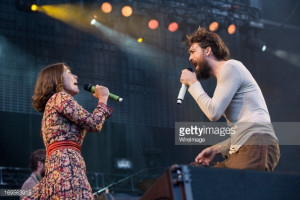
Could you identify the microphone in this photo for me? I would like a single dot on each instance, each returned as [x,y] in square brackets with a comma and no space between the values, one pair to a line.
[182,90]
[91,88]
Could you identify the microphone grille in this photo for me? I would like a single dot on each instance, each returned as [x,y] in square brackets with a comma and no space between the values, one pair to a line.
[87,87]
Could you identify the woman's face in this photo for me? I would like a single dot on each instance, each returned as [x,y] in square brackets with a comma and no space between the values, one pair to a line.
[70,82]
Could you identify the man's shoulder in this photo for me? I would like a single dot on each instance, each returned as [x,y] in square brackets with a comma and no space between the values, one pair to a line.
[238,69]
[29,183]
[231,68]
[234,64]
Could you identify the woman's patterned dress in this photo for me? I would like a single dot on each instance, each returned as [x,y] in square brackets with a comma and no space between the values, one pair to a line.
[65,120]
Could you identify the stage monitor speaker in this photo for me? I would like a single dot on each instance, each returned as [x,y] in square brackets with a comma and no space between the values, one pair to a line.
[174,184]
[187,183]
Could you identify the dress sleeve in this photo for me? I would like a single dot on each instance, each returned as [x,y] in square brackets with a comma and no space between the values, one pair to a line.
[228,82]
[92,122]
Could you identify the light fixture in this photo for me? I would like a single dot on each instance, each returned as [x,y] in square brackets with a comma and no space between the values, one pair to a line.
[34,7]
[93,21]
[106,7]
[173,27]
[26,5]
[153,24]
[255,44]
[127,11]
[213,26]
[231,29]
[123,163]
[140,39]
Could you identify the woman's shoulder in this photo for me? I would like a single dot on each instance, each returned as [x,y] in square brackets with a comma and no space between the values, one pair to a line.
[57,101]
[59,97]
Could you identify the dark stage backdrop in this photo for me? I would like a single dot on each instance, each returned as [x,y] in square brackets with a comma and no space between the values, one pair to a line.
[145,75]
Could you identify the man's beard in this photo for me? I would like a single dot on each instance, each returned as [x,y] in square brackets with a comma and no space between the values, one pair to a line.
[203,71]
[43,172]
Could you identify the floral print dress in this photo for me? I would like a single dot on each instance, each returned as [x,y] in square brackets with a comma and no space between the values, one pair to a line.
[65,120]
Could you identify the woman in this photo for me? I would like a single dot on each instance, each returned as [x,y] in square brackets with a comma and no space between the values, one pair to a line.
[64,126]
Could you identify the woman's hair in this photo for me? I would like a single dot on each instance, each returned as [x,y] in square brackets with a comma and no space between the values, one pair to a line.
[206,39]
[49,82]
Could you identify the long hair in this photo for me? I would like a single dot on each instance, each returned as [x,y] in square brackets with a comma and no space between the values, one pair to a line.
[206,39]
[49,82]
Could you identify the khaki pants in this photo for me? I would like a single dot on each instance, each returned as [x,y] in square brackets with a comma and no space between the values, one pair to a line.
[260,152]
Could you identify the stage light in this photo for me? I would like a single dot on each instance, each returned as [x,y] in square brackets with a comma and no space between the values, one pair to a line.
[153,24]
[173,26]
[255,44]
[231,29]
[65,13]
[26,5]
[126,11]
[123,163]
[93,22]
[106,7]
[213,26]
[34,7]
[140,40]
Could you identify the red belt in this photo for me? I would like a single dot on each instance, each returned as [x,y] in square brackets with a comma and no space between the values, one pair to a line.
[62,144]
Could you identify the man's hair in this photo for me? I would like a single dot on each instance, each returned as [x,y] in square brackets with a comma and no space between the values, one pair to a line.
[38,155]
[49,82]
[206,39]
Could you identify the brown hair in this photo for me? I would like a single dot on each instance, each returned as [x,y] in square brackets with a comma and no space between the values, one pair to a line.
[38,155]
[206,39]
[49,82]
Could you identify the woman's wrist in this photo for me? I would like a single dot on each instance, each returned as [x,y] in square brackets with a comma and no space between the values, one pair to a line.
[103,100]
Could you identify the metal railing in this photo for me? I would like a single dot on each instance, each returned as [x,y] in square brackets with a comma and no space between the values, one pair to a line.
[14,177]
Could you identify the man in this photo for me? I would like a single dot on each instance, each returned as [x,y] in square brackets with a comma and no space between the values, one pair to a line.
[37,166]
[238,98]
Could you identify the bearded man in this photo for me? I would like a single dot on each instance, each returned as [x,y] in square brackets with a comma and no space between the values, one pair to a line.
[238,98]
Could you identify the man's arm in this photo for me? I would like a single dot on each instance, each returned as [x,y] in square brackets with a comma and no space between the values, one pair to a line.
[224,146]
[208,154]
[228,82]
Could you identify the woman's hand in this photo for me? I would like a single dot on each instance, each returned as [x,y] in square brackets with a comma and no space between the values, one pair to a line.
[101,93]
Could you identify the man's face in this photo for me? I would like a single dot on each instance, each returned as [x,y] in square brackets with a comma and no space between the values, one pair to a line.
[41,168]
[197,58]
[43,171]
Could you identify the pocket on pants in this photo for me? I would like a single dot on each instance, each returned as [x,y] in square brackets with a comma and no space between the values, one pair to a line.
[247,157]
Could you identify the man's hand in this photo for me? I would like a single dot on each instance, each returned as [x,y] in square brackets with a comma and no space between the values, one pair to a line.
[207,155]
[187,77]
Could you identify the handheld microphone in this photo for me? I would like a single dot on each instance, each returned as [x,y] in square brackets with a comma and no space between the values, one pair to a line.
[91,88]
[182,90]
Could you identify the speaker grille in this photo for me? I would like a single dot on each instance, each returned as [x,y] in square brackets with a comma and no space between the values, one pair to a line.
[214,183]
